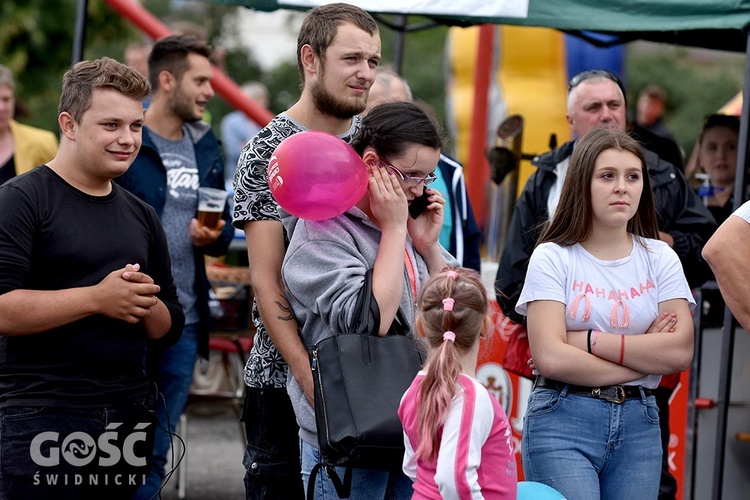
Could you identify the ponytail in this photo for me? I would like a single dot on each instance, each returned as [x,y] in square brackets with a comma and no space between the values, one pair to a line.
[451,312]
[435,395]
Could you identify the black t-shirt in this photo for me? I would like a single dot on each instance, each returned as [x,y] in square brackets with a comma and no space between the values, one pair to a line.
[54,237]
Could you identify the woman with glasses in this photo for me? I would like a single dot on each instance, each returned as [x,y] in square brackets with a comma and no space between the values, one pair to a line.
[326,262]
[608,313]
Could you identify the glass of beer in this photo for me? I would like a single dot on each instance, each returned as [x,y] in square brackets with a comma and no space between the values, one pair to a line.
[210,206]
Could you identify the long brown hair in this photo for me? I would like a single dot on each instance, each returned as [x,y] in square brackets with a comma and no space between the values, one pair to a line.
[573,219]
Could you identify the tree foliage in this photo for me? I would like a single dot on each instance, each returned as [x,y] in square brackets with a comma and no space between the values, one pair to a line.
[697,83]
[37,38]
[36,43]
[423,63]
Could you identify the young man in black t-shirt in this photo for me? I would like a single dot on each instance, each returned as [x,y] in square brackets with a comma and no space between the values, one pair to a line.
[85,283]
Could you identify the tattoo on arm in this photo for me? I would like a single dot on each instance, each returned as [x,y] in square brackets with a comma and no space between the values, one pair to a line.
[289,316]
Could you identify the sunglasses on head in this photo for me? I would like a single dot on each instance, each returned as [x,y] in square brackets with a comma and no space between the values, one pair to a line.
[593,73]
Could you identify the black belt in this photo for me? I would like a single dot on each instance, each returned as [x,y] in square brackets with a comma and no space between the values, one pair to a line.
[612,393]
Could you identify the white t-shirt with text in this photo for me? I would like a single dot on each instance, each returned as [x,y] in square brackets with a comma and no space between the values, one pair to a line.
[616,296]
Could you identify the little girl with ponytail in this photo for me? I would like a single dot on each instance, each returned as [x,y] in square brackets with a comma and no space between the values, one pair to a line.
[458,440]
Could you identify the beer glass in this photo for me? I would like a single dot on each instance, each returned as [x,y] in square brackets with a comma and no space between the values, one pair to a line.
[210,206]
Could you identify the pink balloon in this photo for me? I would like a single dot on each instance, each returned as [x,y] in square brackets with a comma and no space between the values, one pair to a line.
[315,175]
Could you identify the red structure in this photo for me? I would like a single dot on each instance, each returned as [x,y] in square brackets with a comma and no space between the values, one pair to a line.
[222,84]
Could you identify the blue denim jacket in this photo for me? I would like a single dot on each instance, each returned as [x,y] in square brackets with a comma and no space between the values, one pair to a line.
[147,179]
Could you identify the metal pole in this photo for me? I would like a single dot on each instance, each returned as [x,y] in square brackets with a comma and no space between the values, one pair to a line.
[79,38]
[727,344]
[399,43]
[688,481]
[740,176]
[476,168]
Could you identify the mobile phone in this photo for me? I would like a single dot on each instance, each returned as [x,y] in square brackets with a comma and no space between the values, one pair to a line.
[418,205]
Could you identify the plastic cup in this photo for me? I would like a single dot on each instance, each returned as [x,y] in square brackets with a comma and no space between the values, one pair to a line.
[210,206]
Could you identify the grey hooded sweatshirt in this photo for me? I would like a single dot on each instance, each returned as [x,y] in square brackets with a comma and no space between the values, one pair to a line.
[324,271]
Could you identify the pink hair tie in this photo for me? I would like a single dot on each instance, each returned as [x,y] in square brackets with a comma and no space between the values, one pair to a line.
[449,336]
[448,304]
[452,274]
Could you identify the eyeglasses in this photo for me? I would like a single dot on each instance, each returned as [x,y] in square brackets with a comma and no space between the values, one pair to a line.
[411,178]
[591,73]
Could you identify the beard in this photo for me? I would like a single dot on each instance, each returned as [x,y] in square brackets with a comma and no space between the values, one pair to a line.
[330,105]
[183,108]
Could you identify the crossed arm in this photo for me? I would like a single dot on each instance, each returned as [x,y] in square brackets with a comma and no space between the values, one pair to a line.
[666,347]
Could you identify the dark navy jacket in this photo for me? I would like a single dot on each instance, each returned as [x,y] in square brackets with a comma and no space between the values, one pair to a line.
[147,179]
[465,237]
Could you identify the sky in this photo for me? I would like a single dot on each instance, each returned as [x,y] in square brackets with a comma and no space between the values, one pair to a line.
[271,36]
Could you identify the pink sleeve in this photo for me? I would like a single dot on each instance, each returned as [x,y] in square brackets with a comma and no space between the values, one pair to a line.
[466,429]
[407,412]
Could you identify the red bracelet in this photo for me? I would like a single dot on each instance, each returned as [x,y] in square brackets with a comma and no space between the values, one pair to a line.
[622,348]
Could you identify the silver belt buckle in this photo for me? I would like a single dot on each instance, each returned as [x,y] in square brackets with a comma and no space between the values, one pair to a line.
[618,398]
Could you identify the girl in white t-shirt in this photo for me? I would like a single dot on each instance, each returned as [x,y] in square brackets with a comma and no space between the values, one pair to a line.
[608,312]
[458,439]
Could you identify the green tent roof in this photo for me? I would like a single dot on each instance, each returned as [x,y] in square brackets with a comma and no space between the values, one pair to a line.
[715,24]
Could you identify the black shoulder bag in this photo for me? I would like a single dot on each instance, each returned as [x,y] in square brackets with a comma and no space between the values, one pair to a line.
[359,379]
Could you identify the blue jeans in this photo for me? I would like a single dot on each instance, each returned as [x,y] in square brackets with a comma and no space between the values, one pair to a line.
[589,448]
[367,484]
[174,374]
[271,457]
[75,453]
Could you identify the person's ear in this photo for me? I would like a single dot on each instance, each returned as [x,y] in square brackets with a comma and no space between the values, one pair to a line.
[68,125]
[309,59]
[167,81]
[370,156]
[486,331]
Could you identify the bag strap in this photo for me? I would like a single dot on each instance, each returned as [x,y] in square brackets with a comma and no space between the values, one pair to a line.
[367,307]
[343,489]
[399,326]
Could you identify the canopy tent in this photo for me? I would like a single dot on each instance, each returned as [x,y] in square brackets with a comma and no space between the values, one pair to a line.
[713,24]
